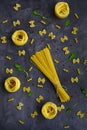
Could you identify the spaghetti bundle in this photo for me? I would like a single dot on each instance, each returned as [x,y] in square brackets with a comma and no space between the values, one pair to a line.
[43,60]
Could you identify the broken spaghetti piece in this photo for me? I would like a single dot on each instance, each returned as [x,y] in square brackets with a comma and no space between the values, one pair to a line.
[21,122]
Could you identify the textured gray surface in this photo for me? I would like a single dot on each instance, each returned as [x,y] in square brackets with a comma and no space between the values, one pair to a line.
[9,115]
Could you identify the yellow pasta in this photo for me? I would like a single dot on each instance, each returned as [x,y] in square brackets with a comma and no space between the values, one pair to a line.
[32,41]
[65,70]
[42,32]
[58,26]
[34,114]
[76,61]
[43,60]
[9,71]
[64,38]
[51,35]
[30,79]
[4,39]
[56,61]
[21,52]
[76,15]
[43,22]
[76,40]
[85,61]
[19,106]
[80,114]
[30,69]
[32,24]
[10,99]
[78,71]
[17,7]
[26,89]
[21,122]
[41,80]
[8,57]
[74,79]
[40,86]
[66,50]
[74,30]
[40,98]
[15,23]
[59,108]
[49,47]
[4,21]
[66,126]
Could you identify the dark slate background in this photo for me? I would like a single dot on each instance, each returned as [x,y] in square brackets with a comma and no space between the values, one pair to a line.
[9,115]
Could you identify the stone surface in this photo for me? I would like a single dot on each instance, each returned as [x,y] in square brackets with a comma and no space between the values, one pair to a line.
[9,115]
